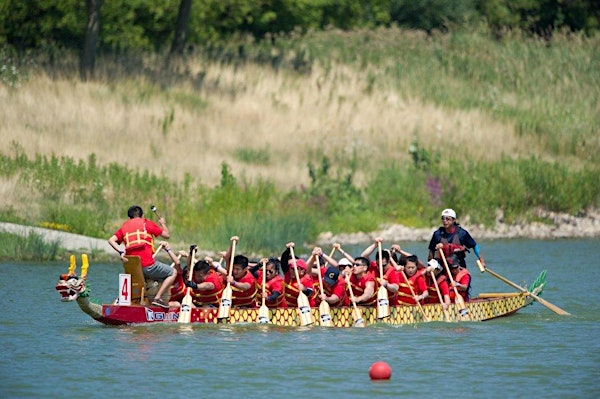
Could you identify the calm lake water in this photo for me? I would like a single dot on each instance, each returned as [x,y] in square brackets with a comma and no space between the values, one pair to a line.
[52,349]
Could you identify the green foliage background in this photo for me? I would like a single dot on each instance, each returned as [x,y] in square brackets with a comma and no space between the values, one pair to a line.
[149,25]
[491,49]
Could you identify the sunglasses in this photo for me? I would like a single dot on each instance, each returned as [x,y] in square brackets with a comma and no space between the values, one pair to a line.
[446,218]
[358,265]
[345,266]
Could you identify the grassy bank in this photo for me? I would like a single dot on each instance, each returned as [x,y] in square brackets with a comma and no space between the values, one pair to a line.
[335,131]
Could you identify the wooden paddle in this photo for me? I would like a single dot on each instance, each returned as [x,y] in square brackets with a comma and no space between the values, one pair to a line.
[330,255]
[356,313]
[463,311]
[383,302]
[185,313]
[412,292]
[303,303]
[225,304]
[439,294]
[544,302]
[263,311]
[173,263]
[157,251]
[324,309]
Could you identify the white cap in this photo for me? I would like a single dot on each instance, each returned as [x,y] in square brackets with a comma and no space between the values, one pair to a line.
[344,262]
[449,212]
[434,263]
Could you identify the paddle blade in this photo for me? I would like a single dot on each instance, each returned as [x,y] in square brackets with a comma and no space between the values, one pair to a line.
[383,303]
[185,313]
[550,306]
[358,319]
[325,314]
[463,311]
[263,315]
[225,304]
[304,310]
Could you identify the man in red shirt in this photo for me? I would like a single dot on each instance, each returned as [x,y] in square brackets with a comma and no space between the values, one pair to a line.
[243,284]
[334,287]
[206,285]
[274,286]
[363,282]
[138,236]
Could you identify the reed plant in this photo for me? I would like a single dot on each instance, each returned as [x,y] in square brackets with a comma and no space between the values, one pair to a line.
[32,247]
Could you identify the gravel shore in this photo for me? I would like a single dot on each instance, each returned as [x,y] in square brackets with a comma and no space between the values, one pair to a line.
[558,226]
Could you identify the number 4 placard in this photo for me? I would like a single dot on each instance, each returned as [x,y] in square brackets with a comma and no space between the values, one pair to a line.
[124,289]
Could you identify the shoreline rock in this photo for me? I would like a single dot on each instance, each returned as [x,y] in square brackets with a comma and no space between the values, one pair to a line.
[559,225]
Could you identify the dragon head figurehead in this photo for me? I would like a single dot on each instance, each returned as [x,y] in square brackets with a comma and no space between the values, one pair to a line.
[70,287]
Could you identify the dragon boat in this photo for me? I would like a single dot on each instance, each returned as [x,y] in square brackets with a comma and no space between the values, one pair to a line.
[485,306]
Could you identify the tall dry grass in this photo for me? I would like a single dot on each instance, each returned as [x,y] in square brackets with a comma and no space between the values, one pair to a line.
[284,119]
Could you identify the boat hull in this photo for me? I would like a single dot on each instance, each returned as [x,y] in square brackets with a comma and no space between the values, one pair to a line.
[480,309]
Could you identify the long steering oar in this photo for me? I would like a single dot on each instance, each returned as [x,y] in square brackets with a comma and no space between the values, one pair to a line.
[439,294]
[356,313]
[303,303]
[383,302]
[463,311]
[185,313]
[412,292]
[225,304]
[544,302]
[324,309]
[263,311]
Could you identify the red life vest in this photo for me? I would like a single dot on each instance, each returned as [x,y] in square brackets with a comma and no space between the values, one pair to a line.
[247,298]
[292,292]
[280,302]
[433,293]
[357,290]
[178,288]
[450,247]
[465,294]
[135,235]
[212,297]
[404,291]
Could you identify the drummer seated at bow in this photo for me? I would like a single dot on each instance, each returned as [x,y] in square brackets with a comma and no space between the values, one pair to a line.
[363,282]
[206,285]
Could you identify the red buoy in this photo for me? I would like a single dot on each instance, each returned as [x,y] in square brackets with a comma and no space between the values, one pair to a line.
[380,371]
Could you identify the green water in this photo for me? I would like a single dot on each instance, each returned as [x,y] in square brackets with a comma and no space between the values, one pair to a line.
[52,349]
